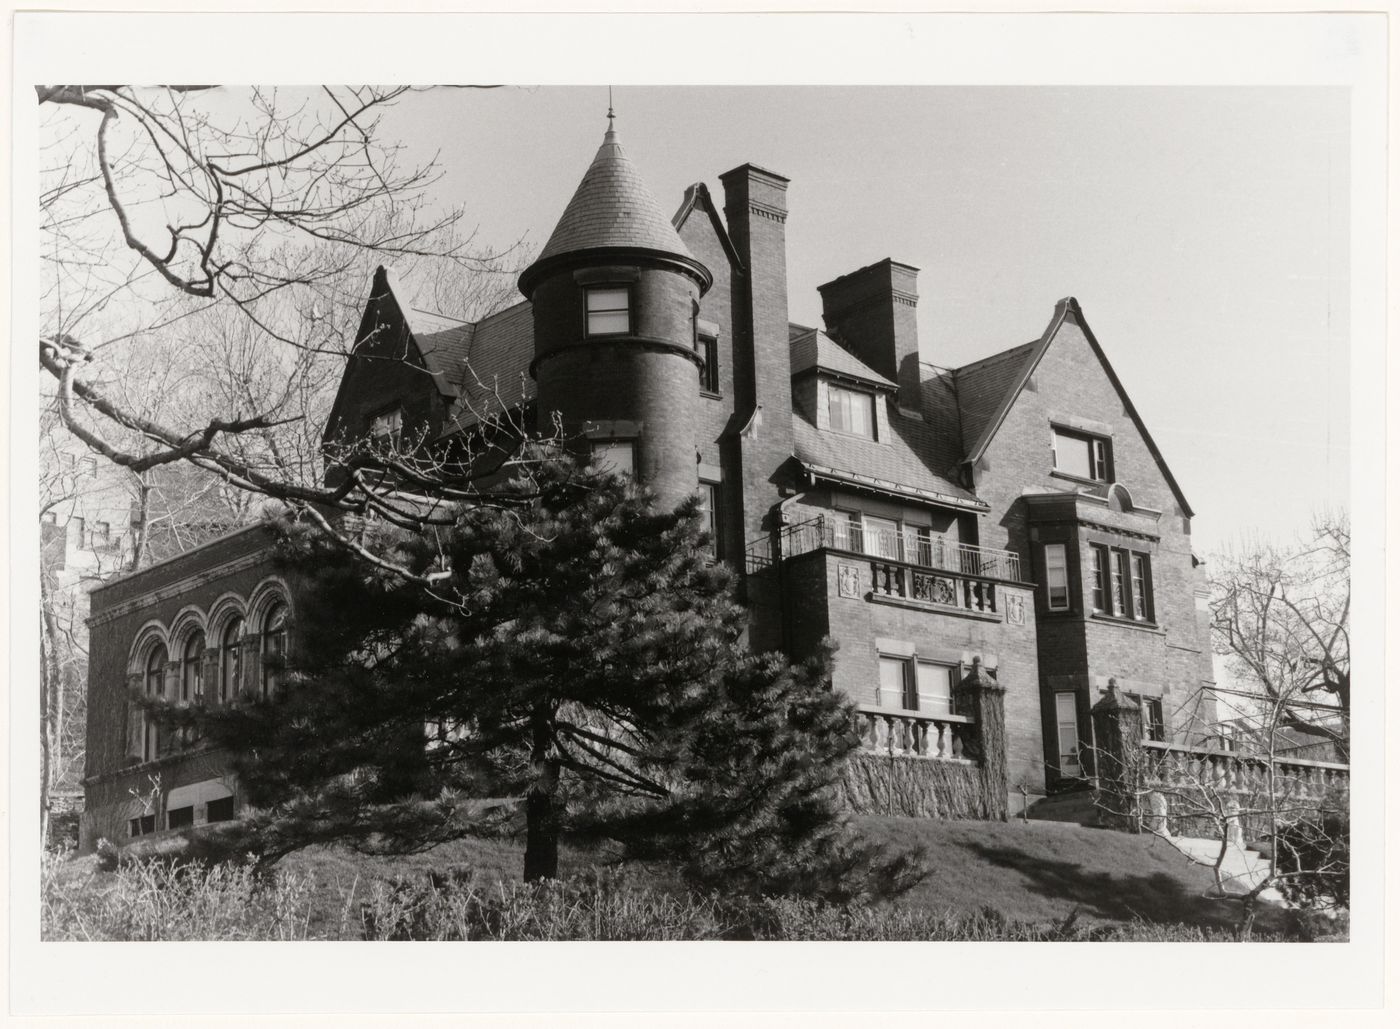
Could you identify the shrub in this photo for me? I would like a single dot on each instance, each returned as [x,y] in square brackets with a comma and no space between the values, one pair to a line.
[1314,860]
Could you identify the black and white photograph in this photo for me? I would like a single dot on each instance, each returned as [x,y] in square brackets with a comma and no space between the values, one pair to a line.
[907,507]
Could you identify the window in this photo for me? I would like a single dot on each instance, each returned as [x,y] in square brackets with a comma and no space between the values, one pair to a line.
[1122,582]
[387,425]
[154,687]
[709,513]
[1081,456]
[219,810]
[908,684]
[274,648]
[1153,725]
[50,518]
[1138,564]
[1067,732]
[881,537]
[851,411]
[77,532]
[708,348]
[616,455]
[608,311]
[142,826]
[230,661]
[180,817]
[87,466]
[192,670]
[893,690]
[1056,577]
[102,534]
[935,688]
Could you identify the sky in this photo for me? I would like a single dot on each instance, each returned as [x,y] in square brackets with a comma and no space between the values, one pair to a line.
[1204,230]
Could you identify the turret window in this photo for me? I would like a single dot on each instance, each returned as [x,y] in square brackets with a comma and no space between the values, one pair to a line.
[618,456]
[608,311]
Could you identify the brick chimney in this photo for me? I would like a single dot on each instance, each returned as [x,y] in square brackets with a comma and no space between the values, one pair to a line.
[872,313]
[755,208]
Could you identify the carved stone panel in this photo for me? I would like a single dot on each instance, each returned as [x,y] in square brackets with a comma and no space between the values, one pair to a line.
[848,580]
[1015,608]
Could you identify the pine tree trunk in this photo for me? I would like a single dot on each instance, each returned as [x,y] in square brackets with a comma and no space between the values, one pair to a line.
[543,809]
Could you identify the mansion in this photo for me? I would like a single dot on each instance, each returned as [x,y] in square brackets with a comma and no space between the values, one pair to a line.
[989,544]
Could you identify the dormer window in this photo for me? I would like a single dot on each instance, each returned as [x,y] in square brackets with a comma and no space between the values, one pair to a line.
[387,425]
[851,411]
[1082,456]
[607,311]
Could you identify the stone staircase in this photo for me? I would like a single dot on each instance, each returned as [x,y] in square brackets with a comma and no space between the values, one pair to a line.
[1242,867]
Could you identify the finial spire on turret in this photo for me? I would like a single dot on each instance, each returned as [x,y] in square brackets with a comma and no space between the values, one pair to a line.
[611,135]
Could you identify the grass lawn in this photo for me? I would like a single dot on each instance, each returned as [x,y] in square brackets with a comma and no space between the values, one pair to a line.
[1041,871]
[1032,872]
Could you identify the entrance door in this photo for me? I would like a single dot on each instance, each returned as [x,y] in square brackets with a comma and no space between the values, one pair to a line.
[1067,724]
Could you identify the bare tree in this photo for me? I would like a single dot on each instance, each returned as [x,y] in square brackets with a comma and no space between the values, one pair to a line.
[240,222]
[1244,789]
[1281,621]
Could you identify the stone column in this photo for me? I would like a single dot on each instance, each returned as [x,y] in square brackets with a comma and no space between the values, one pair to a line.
[1118,759]
[980,697]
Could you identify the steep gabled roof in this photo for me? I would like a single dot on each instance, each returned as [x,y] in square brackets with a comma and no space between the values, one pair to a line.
[698,195]
[815,349]
[1018,370]
[982,388]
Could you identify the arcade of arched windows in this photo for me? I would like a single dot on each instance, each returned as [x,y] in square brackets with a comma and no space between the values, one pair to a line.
[205,658]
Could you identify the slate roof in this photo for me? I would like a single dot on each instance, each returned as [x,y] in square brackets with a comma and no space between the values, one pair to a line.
[495,370]
[815,349]
[908,457]
[613,207]
[982,386]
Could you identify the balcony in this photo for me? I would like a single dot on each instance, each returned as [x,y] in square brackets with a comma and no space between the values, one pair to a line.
[911,565]
[938,737]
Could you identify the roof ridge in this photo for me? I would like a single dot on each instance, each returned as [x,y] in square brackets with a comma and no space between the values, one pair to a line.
[1000,355]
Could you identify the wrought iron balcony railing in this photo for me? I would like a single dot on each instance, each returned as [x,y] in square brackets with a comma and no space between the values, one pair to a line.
[912,546]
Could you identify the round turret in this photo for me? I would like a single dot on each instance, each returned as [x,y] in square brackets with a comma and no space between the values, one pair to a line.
[615,294]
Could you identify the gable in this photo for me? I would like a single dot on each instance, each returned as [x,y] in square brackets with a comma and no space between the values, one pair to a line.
[697,198]
[1066,379]
[387,366]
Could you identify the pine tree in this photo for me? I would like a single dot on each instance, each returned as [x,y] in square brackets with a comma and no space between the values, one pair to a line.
[579,649]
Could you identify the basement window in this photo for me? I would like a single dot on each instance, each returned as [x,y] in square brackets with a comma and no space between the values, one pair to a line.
[219,810]
[179,817]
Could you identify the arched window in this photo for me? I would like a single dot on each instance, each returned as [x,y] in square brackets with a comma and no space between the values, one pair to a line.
[192,670]
[230,660]
[274,647]
[154,687]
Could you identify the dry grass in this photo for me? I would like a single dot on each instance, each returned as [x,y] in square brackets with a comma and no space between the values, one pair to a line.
[990,881]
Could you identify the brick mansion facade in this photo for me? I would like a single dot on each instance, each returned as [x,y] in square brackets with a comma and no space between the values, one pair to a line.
[990,544]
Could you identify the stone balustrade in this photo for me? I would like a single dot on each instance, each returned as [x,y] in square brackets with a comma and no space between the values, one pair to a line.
[913,734]
[1175,766]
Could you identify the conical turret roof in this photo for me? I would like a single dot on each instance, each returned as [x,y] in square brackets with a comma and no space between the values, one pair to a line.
[613,207]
